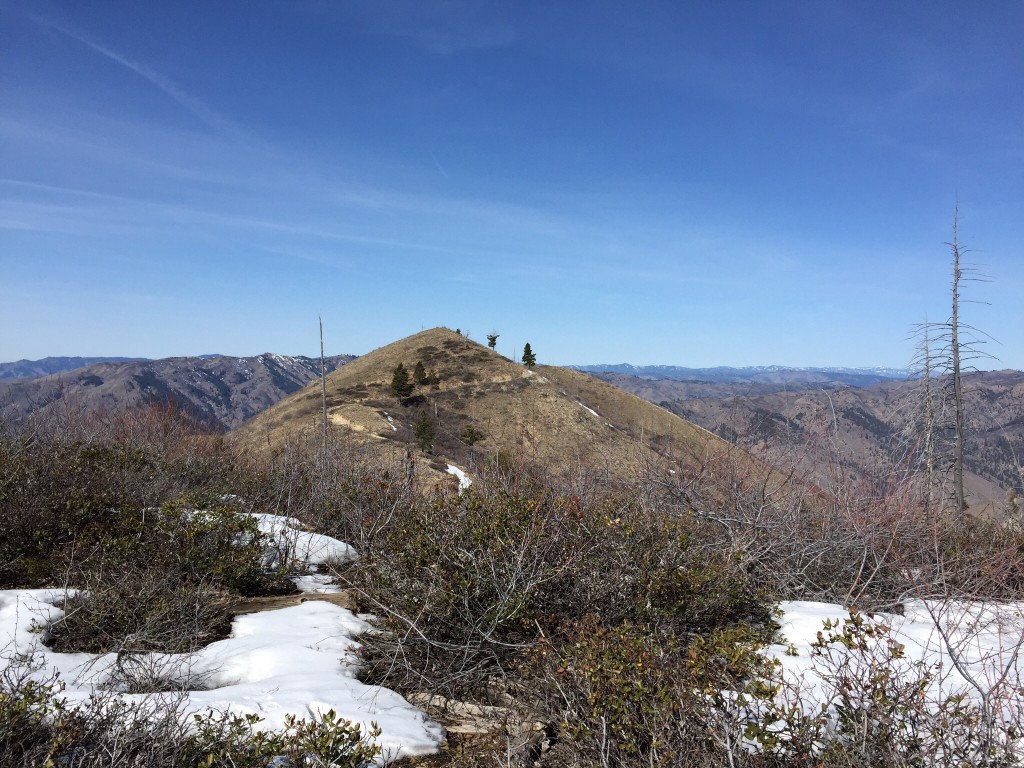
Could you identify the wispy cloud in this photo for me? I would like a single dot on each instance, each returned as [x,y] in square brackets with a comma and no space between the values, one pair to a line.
[84,212]
[439,166]
[440,28]
[201,111]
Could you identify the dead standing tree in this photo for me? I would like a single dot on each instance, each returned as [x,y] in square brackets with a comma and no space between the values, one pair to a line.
[323,379]
[946,352]
[928,419]
[958,385]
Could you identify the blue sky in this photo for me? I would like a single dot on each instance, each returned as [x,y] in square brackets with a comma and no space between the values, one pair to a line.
[708,183]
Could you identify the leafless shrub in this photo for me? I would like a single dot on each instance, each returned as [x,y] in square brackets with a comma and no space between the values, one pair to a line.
[340,487]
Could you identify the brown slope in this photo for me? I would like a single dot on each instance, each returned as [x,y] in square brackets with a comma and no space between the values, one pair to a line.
[669,390]
[867,426]
[558,417]
[221,392]
[653,426]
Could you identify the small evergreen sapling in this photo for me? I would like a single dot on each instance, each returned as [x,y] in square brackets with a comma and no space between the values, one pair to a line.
[529,358]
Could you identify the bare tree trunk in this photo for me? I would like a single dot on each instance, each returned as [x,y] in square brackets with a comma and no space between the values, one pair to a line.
[958,393]
[929,423]
[323,379]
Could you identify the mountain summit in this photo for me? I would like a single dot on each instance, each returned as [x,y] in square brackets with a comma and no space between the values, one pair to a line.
[472,404]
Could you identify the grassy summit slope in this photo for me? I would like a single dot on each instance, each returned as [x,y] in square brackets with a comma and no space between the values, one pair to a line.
[484,404]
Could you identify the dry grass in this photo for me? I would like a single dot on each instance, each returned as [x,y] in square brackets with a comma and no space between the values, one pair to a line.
[562,419]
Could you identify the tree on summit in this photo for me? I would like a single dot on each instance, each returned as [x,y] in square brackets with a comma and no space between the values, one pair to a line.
[492,339]
[529,359]
[401,384]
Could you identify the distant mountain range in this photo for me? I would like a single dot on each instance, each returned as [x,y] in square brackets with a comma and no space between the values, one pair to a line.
[792,408]
[31,369]
[218,390]
[763,374]
[760,374]
[866,426]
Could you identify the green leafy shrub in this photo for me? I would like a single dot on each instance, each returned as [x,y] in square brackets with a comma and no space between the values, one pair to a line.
[465,581]
[39,730]
[470,435]
[194,536]
[631,696]
[881,711]
[235,741]
[107,506]
[27,708]
[68,487]
[167,586]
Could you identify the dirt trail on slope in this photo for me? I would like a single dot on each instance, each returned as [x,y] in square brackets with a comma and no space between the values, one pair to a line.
[344,599]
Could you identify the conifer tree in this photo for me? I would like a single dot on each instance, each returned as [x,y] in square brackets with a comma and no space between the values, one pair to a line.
[529,359]
[492,339]
[419,374]
[401,384]
[424,431]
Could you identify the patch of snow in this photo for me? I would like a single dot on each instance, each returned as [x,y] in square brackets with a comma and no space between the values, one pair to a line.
[588,410]
[297,660]
[464,481]
[293,545]
[316,584]
[963,644]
